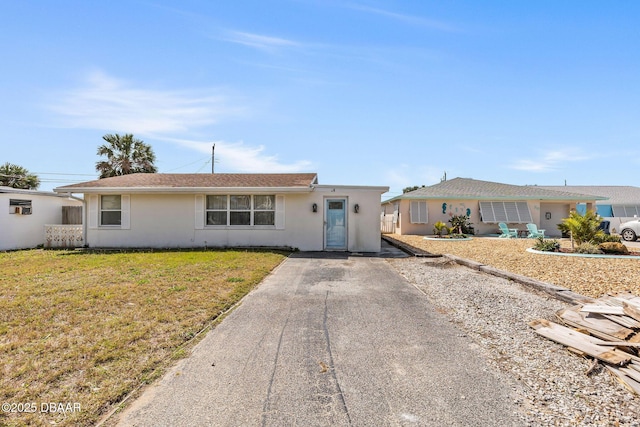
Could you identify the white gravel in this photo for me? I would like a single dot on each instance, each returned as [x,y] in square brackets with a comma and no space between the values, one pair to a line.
[552,385]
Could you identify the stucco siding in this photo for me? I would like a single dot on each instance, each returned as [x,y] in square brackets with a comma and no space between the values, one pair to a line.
[169,221]
[443,210]
[27,231]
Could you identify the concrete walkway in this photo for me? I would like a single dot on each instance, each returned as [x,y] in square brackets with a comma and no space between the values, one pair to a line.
[330,339]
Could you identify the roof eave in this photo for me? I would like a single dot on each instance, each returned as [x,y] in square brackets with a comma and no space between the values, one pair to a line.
[182,190]
[453,197]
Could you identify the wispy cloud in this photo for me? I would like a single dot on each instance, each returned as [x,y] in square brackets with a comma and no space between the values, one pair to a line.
[551,160]
[106,103]
[109,104]
[259,41]
[408,19]
[239,157]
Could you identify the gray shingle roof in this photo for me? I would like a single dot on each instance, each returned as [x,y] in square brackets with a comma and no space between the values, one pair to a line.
[616,194]
[466,188]
[197,180]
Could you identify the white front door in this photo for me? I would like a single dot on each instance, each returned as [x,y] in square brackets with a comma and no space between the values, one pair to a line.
[335,233]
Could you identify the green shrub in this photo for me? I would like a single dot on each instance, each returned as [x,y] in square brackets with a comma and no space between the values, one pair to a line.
[583,228]
[613,248]
[461,224]
[546,245]
[602,238]
[588,248]
[439,227]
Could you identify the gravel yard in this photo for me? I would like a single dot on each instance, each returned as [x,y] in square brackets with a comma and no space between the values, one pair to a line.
[592,277]
[552,385]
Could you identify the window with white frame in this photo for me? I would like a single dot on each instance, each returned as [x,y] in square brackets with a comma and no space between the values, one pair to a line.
[217,210]
[418,212]
[110,210]
[239,210]
[234,210]
[264,210]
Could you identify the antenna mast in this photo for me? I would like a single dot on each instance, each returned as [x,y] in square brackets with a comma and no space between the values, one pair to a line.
[213,157]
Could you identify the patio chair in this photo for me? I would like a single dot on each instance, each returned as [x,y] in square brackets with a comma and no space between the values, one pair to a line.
[534,231]
[507,232]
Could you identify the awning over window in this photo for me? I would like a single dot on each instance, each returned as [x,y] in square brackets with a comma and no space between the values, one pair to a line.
[626,210]
[509,212]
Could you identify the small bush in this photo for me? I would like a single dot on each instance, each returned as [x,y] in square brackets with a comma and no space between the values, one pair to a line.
[588,248]
[461,224]
[546,245]
[613,248]
[439,227]
[603,238]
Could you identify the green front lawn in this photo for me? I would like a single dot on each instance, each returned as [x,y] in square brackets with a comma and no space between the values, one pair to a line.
[85,329]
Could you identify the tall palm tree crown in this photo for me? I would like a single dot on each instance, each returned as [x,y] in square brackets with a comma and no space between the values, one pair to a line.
[16,176]
[125,155]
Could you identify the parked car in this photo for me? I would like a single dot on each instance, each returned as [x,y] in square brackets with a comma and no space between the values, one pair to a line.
[630,230]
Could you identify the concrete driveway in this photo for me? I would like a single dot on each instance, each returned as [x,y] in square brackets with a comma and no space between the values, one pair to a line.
[330,339]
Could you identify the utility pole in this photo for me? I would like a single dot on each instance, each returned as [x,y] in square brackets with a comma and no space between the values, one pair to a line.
[213,157]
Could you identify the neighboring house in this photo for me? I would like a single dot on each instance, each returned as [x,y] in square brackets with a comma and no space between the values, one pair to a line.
[229,210]
[486,203]
[24,214]
[622,202]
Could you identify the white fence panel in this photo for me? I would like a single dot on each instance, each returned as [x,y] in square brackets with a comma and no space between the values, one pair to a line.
[63,236]
[388,224]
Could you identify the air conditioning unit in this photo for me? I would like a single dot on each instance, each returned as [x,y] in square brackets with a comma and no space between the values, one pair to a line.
[23,210]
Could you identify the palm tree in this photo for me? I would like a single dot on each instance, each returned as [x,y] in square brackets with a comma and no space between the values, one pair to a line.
[18,177]
[125,155]
[583,228]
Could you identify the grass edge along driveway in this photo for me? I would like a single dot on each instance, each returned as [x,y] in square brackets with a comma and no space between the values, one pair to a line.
[81,330]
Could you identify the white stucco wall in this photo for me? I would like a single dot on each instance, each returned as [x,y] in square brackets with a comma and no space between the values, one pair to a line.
[27,231]
[171,220]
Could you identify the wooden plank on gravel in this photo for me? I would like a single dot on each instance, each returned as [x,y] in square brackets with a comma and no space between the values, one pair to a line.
[618,343]
[631,311]
[603,309]
[595,323]
[629,383]
[625,321]
[629,298]
[631,373]
[576,340]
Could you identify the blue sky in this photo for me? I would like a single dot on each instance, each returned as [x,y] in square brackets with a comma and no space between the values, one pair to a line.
[362,92]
